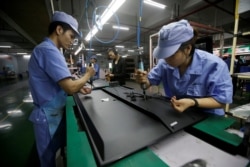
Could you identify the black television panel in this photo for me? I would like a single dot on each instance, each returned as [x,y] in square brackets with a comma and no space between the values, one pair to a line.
[98,84]
[158,107]
[115,129]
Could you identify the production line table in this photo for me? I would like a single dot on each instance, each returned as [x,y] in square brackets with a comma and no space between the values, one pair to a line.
[242,75]
[79,152]
[243,111]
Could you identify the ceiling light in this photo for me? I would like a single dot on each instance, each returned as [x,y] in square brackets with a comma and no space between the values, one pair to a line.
[109,11]
[119,46]
[21,53]
[91,33]
[89,49]
[26,56]
[81,46]
[131,50]
[120,28]
[5,46]
[4,56]
[156,4]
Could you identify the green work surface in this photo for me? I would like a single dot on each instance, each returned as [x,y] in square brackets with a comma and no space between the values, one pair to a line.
[79,152]
[216,126]
[78,149]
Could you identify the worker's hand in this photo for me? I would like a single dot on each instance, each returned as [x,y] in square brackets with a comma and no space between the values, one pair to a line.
[181,104]
[91,71]
[85,90]
[109,76]
[141,77]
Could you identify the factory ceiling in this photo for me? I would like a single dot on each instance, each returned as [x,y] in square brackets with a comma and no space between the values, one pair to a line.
[23,24]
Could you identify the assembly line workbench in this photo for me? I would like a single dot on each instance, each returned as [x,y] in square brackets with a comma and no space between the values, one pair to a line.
[171,151]
[242,111]
[242,75]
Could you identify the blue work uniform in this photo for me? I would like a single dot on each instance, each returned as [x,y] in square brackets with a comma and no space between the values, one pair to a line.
[47,66]
[207,76]
[97,70]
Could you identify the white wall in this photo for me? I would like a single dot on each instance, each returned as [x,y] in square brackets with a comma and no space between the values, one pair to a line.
[8,61]
[18,64]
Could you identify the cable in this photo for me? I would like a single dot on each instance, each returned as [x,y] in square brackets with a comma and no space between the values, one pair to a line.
[95,23]
[117,31]
[139,24]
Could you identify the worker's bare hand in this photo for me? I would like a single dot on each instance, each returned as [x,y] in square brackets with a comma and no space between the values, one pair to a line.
[85,90]
[109,76]
[91,71]
[181,104]
[141,76]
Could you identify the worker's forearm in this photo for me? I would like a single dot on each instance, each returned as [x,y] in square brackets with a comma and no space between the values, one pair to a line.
[79,83]
[209,102]
[72,86]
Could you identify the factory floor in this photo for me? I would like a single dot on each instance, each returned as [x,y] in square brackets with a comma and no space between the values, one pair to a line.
[17,143]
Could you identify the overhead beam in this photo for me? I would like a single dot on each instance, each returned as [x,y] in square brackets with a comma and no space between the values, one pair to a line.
[9,21]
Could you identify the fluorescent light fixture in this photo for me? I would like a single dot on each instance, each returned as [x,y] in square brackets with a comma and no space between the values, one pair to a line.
[121,28]
[153,3]
[98,54]
[21,53]
[4,56]
[89,49]
[2,46]
[91,33]
[131,50]
[119,46]
[26,56]
[109,11]
[79,48]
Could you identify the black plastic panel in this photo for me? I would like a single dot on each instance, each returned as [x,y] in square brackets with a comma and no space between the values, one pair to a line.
[114,128]
[98,84]
[158,107]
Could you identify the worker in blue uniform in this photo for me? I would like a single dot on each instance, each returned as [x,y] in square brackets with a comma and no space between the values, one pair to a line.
[50,82]
[93,60]
[190,77]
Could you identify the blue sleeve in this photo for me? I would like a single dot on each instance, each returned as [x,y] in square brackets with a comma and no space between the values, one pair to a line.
[220,87]
[155,75]
[54,65]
